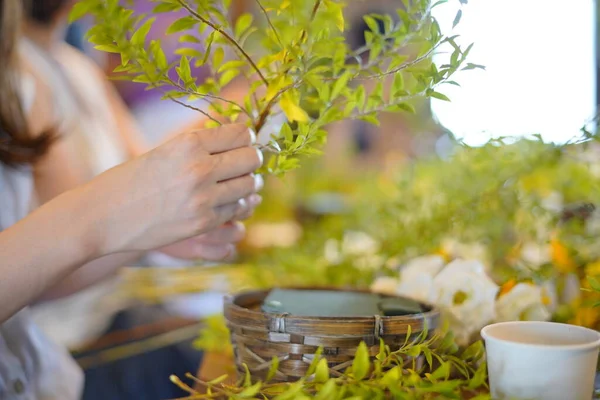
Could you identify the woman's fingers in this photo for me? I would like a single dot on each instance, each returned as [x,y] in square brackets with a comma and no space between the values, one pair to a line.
[253,201]
[211,252]
[235,163]
[228,233]
[234,189]
[225,138]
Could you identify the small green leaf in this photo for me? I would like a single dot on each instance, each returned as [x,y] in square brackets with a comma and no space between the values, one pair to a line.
[251,391]
[313,364]
[473,66]
[398,83]
[473,352]
[414,350]
[361,363]
[370,118]
[183,70]
[108,48]
[182,24]
[328,391]
[218,380]
[371,23]
[479,378]
[80,9]
[187,51]
[442,372]
[159,55]
[242,24]
[392,377]
[209,43]
[139,37]
[247,376]
[189,39]
[339,85]
[457,18]
[166,7]
[322,371]
[428,357]
[218,56]
[439,96]
[231,64]
[273,368]
[228,76]
[594,283]
[338,14]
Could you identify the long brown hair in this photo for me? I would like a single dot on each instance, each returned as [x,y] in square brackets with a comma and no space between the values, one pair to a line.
[17,145]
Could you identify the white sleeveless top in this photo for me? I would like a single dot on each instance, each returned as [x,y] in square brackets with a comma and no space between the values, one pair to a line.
[85,116]
[32,367]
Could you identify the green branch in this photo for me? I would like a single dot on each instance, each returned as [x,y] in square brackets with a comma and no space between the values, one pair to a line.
[234,42]
[266,14]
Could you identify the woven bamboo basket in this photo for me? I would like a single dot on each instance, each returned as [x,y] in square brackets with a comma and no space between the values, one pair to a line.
[258,336]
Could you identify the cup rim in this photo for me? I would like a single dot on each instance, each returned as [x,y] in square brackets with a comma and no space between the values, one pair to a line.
[584,346]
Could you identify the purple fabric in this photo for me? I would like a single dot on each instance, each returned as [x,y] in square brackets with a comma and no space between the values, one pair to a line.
[135,93]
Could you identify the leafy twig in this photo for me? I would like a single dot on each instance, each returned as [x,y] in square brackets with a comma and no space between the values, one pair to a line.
[207,115]
[234,42]
[262,118]
[266,14]
[207,95]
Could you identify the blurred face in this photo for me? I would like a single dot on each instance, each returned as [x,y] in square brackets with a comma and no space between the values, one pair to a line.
[45,12]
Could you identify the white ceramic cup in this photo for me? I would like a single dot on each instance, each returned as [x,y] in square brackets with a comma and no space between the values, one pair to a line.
[530,360]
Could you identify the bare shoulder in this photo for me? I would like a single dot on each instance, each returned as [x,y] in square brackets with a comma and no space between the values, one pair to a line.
[76,59]
[37,99]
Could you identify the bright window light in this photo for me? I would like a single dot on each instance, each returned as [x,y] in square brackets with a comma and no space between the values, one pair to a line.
[540,73]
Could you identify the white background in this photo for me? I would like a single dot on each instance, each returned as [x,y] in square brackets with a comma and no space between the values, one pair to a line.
[540,75]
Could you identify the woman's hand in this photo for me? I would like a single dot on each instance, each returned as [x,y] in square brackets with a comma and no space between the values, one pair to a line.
[184,188]
[216,245]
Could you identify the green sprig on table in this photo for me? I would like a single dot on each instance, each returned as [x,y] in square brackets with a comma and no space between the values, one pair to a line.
[445,373]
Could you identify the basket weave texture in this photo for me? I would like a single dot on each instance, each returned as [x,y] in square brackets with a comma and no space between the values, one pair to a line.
[258,336]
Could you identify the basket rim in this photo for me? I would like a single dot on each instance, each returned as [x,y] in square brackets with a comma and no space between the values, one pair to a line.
[230,302]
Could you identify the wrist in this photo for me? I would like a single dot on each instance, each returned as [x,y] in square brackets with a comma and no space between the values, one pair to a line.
[88,227]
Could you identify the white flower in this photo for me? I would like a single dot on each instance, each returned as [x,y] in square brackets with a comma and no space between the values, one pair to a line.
[466,251]
[571,289]
[385,285]
[553,202]
[332,251]
[550,296]
[524,302]
[357,243]
[416,277]
[467,295]
[369,261]
[535,255]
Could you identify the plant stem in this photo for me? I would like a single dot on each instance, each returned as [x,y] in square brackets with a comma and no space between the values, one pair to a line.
[313,13]
[195,109]
[383,107]
[207,95]
[262,117]
[266,14]
[226,35]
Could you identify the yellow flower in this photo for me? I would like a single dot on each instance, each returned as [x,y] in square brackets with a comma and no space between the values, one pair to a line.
[444,254]
[586,316]
[513,254]
[593,269]
[507,287]
[561,258]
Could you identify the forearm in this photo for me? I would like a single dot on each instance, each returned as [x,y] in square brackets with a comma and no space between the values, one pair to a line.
[93,272]
[45,247]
